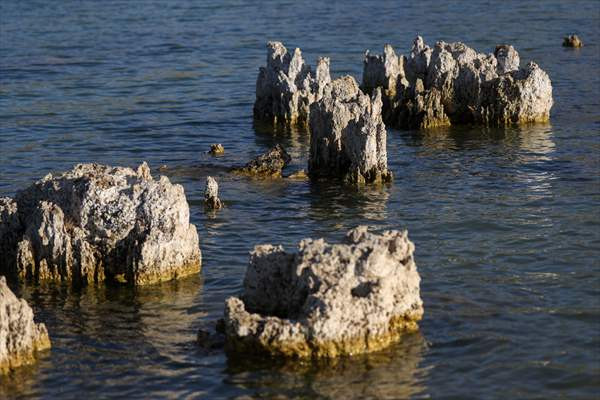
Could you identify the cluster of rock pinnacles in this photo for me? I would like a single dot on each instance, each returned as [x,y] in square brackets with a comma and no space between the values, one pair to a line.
[97,223]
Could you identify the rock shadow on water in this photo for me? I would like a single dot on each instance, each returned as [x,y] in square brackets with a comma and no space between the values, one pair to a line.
[393,373]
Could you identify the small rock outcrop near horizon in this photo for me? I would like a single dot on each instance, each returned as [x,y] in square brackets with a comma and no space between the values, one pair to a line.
[572,41]
[211,194]
[348,136]
[20,337]
[95,223]
[326,300]
[286,86]
[267,165]
[453,84]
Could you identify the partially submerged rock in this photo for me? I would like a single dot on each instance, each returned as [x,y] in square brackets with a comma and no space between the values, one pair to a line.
[348,136]
[20,336]
[286,86]
[216,149]
[98,222]
[211,194]
[327,300]
[453,84]
[572,41]
[267,165]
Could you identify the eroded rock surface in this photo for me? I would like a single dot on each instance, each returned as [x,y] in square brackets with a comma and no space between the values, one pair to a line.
[348,136]
[20,336]
[211,194]
[267,165]
[286,86]
[453,84]
[327,300]
[98,222]
[572,41]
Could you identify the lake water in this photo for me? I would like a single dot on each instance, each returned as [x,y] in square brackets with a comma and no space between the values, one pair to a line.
[506,222]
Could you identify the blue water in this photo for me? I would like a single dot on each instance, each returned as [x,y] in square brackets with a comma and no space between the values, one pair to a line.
[505,221]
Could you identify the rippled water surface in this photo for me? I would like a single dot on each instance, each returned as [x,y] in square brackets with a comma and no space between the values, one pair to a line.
[505,221]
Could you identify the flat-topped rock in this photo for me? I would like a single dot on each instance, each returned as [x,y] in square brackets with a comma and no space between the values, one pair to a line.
[266,165]
[20,337]
[327,300]
[348,136]
[286,86]
[453,84]
[99,222]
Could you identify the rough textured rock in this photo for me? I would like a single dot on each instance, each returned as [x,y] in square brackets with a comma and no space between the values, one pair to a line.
[348,136]
[20,336]
[267,165]
[216,149]
[97,222]
[572,41]
[286,87]
[211,194]
[453,84]
[327,300]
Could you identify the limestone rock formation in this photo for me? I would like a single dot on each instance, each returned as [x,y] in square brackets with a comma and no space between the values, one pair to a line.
[286,86]
[348,136]
[327,300]
[453,84]
[572,41]
[98,222]
[267,165]
[20,336]
[211,194]
[216,149]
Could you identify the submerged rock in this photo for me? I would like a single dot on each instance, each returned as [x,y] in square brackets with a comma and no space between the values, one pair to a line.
[348,136]
[216,149]
[98,222]
[327,300]
[267,165]
[452,84]
[286,87]
[211,194]
[20,336]
[572,41]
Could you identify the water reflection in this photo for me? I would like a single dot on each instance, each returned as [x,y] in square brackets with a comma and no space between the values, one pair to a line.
[391,374]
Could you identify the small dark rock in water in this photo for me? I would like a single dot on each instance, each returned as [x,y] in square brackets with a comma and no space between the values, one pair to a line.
[267,165]
[216,149]
[211,194]
[572,41]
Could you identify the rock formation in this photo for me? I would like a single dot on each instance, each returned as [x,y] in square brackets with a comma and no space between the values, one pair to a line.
[216,149]
[286,87]
[97,222]
[572,41]
[327,300]
[211,194]
[20,336]
[267,165]
[348,137]
[453,84]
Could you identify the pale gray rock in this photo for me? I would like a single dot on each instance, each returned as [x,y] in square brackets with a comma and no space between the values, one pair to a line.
[327,300]
[98,222]
[286,86]
[453,84]
[20,337]
[348,136]
[211,194]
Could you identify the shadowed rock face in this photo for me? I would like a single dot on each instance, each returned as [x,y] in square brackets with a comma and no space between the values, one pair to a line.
[211,194]
[20,336]
[327,300]
[98,222]
[453,84]
[267,165]
[348,136]
[286,87]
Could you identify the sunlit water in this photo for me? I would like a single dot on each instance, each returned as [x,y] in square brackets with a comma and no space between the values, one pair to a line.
[506,222]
